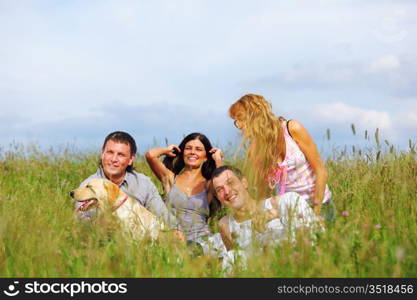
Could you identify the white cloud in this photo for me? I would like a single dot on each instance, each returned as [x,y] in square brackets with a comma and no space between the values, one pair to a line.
[410,119]
[326,74]
[341,113]
[407,116]
[383,64]
[396,125]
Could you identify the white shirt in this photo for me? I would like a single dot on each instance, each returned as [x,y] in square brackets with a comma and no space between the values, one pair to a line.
[294,212]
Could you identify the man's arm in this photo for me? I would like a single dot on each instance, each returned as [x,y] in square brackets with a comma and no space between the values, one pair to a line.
[223,227]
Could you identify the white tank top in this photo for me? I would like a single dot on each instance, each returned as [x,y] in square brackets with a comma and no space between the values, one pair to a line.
[294,212]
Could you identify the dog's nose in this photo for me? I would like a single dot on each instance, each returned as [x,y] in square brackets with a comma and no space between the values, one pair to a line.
[71,194]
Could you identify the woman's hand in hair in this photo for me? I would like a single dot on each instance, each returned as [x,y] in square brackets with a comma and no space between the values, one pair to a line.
[155,153]
[217,155]
[171,150]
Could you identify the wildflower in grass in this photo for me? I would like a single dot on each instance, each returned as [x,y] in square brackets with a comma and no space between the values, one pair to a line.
[301,215]
[345,213]
[296,255]
[377,226]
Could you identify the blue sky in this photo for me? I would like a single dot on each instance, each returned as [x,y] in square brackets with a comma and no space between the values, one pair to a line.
[73,71]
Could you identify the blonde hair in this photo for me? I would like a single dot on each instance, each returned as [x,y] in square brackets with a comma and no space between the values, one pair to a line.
[264,133]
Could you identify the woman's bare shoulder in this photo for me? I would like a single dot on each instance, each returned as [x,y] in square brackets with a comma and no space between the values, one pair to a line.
[298,131]
[295,126]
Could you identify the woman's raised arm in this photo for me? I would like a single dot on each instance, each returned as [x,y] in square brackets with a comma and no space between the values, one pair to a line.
[165,175]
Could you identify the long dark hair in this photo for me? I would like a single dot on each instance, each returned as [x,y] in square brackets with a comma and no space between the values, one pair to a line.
[176,164]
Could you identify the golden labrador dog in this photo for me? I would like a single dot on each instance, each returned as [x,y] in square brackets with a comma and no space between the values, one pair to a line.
[107,196]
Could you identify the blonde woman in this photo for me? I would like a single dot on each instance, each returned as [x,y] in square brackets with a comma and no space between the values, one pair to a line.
[282,153]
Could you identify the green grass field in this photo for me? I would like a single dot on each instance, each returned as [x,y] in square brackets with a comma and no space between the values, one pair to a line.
[375,233]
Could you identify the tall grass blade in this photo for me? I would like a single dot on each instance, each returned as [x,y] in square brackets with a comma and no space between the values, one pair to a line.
[352,126]
[377,137]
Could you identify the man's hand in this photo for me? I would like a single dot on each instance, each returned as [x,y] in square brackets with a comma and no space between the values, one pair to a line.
[263,217]
[179,235]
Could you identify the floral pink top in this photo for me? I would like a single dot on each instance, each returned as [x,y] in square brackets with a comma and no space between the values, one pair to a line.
[295,172]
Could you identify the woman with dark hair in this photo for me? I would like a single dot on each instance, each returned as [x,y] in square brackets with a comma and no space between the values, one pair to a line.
[185,173]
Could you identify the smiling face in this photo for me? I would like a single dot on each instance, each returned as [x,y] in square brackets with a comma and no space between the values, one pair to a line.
[115,158]
[230,190]
[194,154]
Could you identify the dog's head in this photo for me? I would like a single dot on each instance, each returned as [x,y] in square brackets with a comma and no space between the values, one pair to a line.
[96,193]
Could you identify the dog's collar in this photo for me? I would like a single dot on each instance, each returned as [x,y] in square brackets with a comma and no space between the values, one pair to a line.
[120,204]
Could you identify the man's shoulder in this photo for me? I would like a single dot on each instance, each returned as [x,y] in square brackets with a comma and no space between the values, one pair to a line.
[140,177]
[97,174]
[139,180]
[290,201]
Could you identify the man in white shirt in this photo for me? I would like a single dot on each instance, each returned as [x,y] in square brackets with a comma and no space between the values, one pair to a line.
[264,222]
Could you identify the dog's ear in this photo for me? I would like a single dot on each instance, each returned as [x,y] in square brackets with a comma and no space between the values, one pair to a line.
[112,191]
